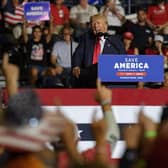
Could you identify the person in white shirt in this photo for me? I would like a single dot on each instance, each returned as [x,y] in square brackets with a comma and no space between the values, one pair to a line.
[63,50]
[114,12]
[80,17]
[60,71]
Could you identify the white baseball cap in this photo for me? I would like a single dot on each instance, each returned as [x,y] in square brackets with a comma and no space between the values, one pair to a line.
[158,38]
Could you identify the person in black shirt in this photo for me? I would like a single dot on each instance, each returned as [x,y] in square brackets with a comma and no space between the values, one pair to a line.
[141,30]
[36,53]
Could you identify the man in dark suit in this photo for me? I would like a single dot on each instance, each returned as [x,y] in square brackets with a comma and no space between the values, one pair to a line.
[83,63]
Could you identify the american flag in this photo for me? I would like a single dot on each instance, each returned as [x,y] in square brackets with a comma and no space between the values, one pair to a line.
[79,104]
[15,17]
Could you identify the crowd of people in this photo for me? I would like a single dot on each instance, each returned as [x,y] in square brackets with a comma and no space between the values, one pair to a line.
[33,137]
[61,52]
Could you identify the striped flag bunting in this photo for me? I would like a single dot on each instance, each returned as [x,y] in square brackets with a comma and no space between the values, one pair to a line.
[79,104]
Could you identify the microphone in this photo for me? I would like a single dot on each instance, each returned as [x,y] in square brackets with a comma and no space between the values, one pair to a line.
[100,34]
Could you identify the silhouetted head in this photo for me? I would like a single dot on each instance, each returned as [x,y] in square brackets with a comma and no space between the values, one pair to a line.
[24,108]
[164,116]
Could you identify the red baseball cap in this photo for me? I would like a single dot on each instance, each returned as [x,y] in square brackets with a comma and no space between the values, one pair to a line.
[128,35]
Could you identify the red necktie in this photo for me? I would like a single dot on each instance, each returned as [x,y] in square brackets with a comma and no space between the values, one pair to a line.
[97,50]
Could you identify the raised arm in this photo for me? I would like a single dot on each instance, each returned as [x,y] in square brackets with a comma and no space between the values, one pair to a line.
[104,97]
[11,73]
[69,138]
[25,35]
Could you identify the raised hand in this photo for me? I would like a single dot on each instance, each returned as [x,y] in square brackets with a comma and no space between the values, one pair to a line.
[76,72]
[148,124]
[132,136]
[99,128]
[11,73]
[103,94]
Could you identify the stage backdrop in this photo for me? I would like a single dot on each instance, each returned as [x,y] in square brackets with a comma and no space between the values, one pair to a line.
[79,104]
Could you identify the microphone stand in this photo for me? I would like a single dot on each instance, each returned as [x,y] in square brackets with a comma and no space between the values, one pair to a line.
[71,52]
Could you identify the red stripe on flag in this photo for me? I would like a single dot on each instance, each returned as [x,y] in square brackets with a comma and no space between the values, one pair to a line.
[23,137]
[86,96]
[120,96]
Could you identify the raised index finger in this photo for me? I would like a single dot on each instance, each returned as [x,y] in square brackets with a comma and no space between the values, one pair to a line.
[5,60]
[98,83]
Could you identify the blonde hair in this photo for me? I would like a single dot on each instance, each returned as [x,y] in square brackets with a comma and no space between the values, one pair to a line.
[97,17]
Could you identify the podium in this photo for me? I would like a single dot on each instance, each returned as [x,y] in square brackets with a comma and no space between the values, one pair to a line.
[131,68]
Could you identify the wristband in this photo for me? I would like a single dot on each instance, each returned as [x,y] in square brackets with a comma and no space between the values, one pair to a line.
[150,134]
[105,102]
[131,154]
